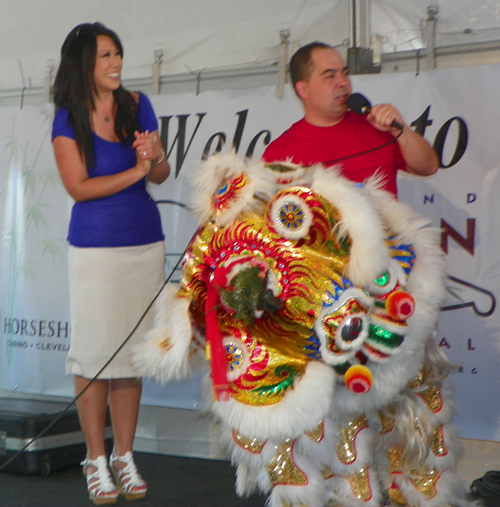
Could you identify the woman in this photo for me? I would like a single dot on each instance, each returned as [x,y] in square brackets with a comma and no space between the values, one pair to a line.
[107,147]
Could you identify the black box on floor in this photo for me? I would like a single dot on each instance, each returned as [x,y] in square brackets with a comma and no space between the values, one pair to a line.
[60,446]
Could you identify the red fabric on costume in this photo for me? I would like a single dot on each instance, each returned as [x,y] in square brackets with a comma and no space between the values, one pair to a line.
[216,351]
[215,347]
[306,144]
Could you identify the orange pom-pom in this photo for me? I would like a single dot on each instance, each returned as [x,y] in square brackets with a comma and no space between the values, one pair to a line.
[358,379]
[400,305]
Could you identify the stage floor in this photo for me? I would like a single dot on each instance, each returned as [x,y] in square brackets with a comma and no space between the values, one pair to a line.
[479,457]
[185,482]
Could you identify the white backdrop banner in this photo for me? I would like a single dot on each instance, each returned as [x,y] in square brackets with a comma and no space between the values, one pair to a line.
[457,112]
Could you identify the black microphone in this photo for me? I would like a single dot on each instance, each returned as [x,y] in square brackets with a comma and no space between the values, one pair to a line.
[359,104]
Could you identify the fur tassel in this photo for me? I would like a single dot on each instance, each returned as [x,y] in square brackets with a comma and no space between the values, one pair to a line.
[415,229]
[359,221]
[208,178]
[413,432]
[164,353]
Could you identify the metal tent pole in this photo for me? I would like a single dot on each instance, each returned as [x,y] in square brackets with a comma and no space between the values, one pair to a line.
[359,54]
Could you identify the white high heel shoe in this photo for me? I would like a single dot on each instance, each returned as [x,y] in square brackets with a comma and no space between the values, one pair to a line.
[129,483]
[102,490]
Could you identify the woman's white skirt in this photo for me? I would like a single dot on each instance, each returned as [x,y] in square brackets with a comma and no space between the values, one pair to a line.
[110,289]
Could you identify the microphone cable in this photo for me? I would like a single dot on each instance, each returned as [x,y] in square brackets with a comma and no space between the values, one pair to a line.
[363,152]
[359,104]
[96,376]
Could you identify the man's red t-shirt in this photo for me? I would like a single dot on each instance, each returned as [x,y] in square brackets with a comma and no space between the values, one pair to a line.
[306,144]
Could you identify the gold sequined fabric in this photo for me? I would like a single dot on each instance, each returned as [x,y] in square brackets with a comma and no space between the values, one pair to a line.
[283,470]
[397,496]
[346,446]
[419,380]
[360,485]
[252,445]
[432,398]
[425,481]
[318,433]
[327,473]
[395,456]
[421,478]
[439,447]
[387,422]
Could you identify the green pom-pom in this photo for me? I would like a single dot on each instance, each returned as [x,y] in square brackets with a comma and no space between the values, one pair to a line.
[248,293]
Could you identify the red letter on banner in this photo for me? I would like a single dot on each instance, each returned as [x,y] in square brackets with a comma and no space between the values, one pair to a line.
[466,243]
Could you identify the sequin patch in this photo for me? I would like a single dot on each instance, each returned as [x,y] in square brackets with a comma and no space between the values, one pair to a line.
[426,482]
[387,423]
[346,447]
[397,496]
[439,448]
[419,380]
[318,433]
[253,445]
[432,398]
[327,473]
[283,470]
[360,485]
[422,479]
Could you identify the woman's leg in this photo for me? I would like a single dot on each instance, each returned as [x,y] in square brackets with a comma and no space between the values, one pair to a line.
[92,406]
[124,399]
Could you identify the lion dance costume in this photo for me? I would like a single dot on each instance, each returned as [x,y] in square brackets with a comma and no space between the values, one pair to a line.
[315,301]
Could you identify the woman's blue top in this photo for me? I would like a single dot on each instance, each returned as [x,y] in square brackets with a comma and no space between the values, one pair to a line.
[128,218]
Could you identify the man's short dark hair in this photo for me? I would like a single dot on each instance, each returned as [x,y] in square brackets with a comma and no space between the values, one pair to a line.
[301,63]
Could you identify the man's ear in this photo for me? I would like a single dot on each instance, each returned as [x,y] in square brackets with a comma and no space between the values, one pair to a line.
[301,89]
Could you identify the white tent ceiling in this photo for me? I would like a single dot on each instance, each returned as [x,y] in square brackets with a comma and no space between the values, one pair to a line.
[458,22]
[203,35]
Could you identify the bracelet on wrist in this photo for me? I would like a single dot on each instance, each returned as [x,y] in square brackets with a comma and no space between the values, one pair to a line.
[156,161]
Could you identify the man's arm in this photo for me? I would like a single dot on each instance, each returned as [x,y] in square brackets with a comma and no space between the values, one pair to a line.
[418,154]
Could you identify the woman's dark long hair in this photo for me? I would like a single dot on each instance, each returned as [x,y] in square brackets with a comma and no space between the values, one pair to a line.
[74,88]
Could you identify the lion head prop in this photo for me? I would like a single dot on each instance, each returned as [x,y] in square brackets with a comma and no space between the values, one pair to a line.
[314,300]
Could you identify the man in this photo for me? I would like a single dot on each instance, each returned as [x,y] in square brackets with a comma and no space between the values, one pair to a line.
[329,131]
